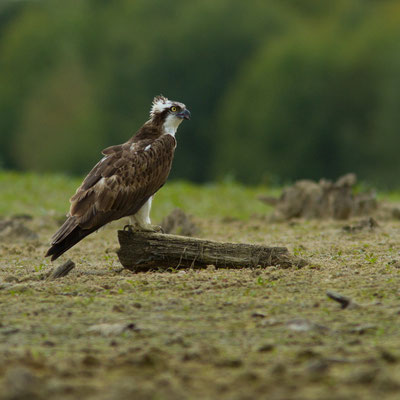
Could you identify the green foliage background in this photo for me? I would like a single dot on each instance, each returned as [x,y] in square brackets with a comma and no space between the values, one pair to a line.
[278,90]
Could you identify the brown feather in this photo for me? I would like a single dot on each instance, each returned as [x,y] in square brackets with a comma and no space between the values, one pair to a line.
[119,185]
[66,228]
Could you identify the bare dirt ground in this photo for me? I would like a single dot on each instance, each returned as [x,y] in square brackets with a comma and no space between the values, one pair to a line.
[106,333]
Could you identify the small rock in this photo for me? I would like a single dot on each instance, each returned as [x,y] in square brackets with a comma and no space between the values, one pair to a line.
[364,377]
[278,369]
[11,278]
[152,357]
[388,384]
[118,308]
[112,329]
[248,376]
[271,322]
[9,331]
[396,213]
[354,342]
[361,329]
[387,356]
[106,286]
[368,223]
[265,348]
[5,286]
[307,354]
[231,363]
[90,361]
[303,325]
[125,286]
[394,264]
[258,314]
[20,383]
[18,288]
[318,366]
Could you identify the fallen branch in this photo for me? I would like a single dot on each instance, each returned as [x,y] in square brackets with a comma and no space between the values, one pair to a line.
[61,270]
[342,300]
[345,302]
[142,251]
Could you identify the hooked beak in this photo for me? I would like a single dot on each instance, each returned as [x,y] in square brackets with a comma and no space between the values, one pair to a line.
[185,114]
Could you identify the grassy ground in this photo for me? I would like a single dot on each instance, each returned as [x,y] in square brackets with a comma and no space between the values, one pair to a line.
[229,334]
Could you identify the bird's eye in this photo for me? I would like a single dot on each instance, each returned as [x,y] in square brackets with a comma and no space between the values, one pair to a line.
[173,108]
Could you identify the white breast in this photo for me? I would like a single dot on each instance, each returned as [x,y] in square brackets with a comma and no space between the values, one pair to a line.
[171,124]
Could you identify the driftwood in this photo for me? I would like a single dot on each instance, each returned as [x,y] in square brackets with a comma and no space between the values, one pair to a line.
[142,251]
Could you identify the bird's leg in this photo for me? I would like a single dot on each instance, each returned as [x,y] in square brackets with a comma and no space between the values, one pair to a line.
[141,220]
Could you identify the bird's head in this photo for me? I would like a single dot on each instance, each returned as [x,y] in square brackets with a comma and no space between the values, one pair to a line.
[167,113]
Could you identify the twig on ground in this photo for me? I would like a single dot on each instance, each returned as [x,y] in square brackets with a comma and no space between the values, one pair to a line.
[62,270]
[344,301]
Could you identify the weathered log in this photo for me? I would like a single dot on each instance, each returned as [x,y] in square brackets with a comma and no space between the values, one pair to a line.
[142,251]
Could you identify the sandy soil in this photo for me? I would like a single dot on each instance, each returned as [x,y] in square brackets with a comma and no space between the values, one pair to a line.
[106,333]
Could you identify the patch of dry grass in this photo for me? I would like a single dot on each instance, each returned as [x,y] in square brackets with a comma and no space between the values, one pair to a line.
[226,334]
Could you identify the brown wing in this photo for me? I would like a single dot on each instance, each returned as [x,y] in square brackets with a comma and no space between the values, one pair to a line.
[119,184]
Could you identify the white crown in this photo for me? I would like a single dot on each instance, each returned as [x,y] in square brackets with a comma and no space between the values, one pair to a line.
[160,103]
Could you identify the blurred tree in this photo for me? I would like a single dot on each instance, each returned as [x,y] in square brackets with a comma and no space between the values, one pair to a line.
[60,123]
[8,12]
[132,51]
[315,103]
[290,89]
[33,45]
[192,59]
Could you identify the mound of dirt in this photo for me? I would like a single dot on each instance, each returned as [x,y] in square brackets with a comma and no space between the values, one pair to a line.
[14,229]
[365,224]
[323,199]
[178,223]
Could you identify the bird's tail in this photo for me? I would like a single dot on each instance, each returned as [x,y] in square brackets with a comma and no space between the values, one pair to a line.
[67,236]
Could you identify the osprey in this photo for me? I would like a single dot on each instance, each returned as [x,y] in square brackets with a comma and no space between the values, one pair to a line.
[124,181]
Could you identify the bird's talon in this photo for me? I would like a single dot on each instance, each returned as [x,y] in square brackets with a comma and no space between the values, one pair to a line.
[156,229]
[151,228]
[129,228]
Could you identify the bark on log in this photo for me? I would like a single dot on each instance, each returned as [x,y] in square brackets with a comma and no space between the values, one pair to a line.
[142,251]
